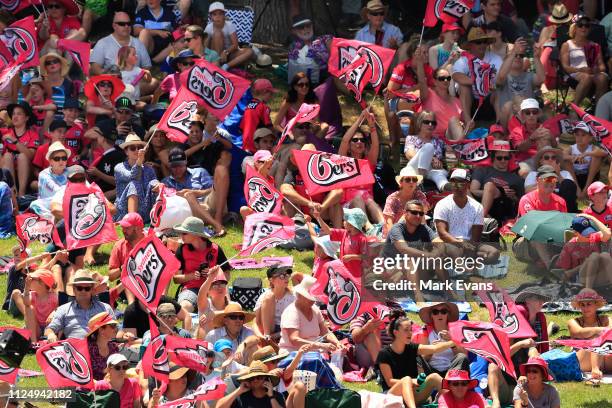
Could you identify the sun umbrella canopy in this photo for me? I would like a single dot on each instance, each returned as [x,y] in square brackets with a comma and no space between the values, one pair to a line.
[543,226]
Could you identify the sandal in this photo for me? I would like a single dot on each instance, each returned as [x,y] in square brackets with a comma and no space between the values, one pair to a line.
[593,382]
[220,234]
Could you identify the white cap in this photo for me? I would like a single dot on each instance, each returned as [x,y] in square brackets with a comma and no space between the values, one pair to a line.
[529,103]
[460,174]
[217,5]
[115,359]
[582,126]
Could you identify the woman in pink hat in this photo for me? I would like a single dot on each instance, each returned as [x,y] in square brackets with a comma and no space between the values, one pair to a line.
[458,391]
[532,390]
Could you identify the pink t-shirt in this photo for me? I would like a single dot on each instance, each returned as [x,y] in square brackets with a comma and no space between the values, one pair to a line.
[444,110]
[472,400]
[292,318]
[42,310]
[171,85]
[129,393]
[350,245]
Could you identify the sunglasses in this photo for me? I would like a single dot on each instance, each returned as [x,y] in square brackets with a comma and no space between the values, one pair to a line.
[458,184]
[59,158]
[54,6]
[358,140]
[410,180]
[302,85]
[283,276]
[583,25]
[303,125]
[419,213]
[443,78]
[531,112]
[235,317]
[131,148]
[188,64]
[51,62]
[218,285]
[436,312]
[549,157]
[187,39]
[105,84]
[377,13]
[123,23]
[123,367]
[502,158]
[550,180]
[458,383]
[83,288]
[430,122]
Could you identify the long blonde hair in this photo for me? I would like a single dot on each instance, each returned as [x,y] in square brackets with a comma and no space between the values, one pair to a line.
[123,54]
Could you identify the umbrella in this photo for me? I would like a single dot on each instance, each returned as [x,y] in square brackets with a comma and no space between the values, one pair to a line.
[543,226]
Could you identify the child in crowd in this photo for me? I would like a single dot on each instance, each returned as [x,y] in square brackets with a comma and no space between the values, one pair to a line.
[257,112]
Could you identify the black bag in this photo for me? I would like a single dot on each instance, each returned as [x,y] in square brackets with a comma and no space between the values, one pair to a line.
[101,399]
[246,291]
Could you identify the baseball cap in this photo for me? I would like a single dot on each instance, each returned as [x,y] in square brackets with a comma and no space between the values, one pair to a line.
[262,84]
[222,344]
[115,359]
[74,170]
[217,5]
[583,226]
[596,187]
[451,27]
[461,174]
[178,34]
[262,155]
[496,128]
[177,157]
[107,129]
[72,103]
[546,171]
[582,126]
[131,220]
[529,103]
[58,124]
[166,309]
[45,275]
[262,132]
[124,103]
[277,270]
[300,20]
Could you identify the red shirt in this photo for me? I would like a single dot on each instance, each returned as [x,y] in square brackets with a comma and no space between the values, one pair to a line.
[471,400]
[119,254]
[40,157]
[256,115]
[74,139]
[518,135]
[574,253]
[130,391]
[605,216]
[29,139]
[68,24]
[350,245]
[405,75]
[531,201]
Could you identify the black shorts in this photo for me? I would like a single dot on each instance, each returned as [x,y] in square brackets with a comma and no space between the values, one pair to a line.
[503,208]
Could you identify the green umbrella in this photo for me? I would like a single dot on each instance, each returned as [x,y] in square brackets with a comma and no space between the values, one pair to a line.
[543,226]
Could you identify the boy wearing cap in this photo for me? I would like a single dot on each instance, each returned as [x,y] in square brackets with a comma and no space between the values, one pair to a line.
[223,39]
[257,112]
[600,207]
[583,160]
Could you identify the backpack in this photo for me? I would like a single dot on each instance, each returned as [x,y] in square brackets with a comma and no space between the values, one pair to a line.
[563,366]
[490,231]
[246,291]
[99,399]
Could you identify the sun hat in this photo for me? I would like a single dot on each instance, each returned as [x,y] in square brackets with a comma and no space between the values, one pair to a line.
[303,288]
[263,84]
[263,60]
[71,7]
[373,5]
[582,126]
[496,128]
[217,5]
[425,312]
[300,20]
[548,149]
[74,170]
[262,155]
[501,146]
[458,375]
[92,84]
[52,55]
[356,217]
[194,226]
[478,33]
[222,344]
[131,220]
[58,124]
[45,275]
[132,139]
[536,362]
[267,354]
[258,369]
[262,132]
[176,371]
[587,294]
[596,187]
[232,308]
[56,147]
[408,171]
[26,107]
[546,171]
[583,226]
[82,276]
[166,309]
[115,359]
[277,270]
[331,248]
[529,103]
[560,14]
[531,293]
[460,174]
[99,320]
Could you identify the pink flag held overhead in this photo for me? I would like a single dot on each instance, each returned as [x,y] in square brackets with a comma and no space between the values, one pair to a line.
[176,121]
[601,129]
[265,230]
[160,205]
[209,391]
[260,193]
[448,11]
[190,353]
[155,362]
[504,313]
[21,39]
[79,52]
[306,113]
[32,227]
[601,344]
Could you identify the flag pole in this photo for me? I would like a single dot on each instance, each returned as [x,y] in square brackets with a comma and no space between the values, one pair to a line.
[229,259]
[150,138]
[422,32]
[294,206]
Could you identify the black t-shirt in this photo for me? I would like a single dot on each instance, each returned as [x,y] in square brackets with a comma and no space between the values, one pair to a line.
[399,232]
[248,400]
[107,164]
[513,180]
[402,365]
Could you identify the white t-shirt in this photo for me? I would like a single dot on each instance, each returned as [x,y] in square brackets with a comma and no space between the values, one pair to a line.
[128,78]
[459,220]
[228,29]
[461,66]
[531,179]
[106,49]
[279,306]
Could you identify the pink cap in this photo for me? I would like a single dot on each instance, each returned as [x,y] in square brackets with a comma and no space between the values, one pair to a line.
[596,187]
[131,220]
[178,34]
[262,155]
[496,128]
[452,27]
[261,85]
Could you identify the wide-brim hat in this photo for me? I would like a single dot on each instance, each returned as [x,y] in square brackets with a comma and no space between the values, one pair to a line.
[458,375]
[259,369]
[132,139]
[72,9]
[548,149]
[331,248]
[176,371]
[267,354]
[453,312]
[90,87]
[536,362]
[50,55]
[82,277]
[194,226]
[478,33]
[232,308]
[303,288]
[57,147]
[183,55]
[356,217]
[408,172]
[560,14]
[531,292]
[99,320]
[373,5]
[26,107]
[588,294]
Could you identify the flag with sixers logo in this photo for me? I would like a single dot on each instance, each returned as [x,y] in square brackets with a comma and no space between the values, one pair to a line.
[177,119]
[325,171]
[260,193]
[32,227]
[10,71]
[155,358]
[148,270]
[9,374]
[209,391]
[482,75]
[342,293]
[448,11]
[218,90]
[20,38]
[487,340]
[66,363]
[265,230]
[5,56]
[377,60]
[504,313]
[79,51]
[472,151]
[87,219]
[160,205]
[306,113]
[356,76]
[601,344]
[190,353]
[600,129]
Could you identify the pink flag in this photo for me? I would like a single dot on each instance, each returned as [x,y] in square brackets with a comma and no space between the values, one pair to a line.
[20,38]
[155,358]
[177,119]
[9,374]
[482,75]
[260,193]
[209,391]
[306,113]
[88,220]
[487,340]
[342,293]
[325,171]
[448,11]
[218,90]
[160,205]
[15,6]
[265,230]
[79,52]
[600,129]
[601,344]
[377,58]
[148,270]
[356,76]
[471,151]
[190,353]
[504,313]
[66,363]
[5,56]
[9,71]
[32,227]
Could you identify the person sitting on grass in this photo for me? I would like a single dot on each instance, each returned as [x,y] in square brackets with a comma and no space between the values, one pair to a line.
[532,390]
[600,207]
[223,38]
[256,390]
[458,391]
[231,324]
[102,329]
[271,304]
[115,378]
[583,160]
[212,298]
[37,302]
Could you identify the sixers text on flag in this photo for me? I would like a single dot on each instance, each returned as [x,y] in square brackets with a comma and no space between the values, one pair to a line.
[261,195]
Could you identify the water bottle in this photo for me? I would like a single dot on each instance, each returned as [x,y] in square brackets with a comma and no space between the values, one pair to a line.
[421,381]
[336,359]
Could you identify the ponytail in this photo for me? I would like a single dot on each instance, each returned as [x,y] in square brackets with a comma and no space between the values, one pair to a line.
[396,317]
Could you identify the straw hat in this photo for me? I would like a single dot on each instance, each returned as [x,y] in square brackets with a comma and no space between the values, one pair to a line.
[52,55]
[258,369]
[82,277]
[548,149]
[453,312]
[267,354]
[232,308]
[587,294]
[560,15]
[478,33]
[408,172]
[458,375]
[99,320]
[177,371]
[194,226]
[303,288]
[536,362]
[373,5]
[132,139]
[56,147]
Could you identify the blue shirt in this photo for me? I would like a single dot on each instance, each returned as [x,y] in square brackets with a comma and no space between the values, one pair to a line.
[167,19]
[72,320]
[195,179]
[390,31]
